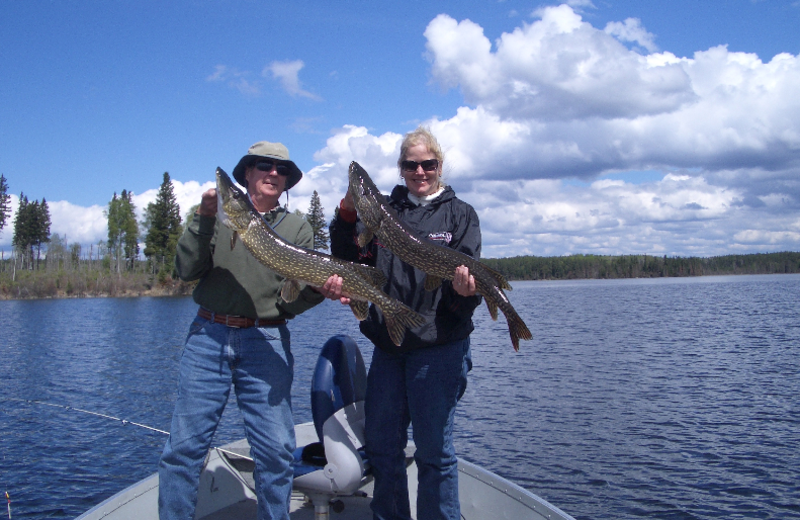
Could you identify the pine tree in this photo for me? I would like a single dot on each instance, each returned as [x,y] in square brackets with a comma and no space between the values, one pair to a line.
[130,229]
[22,234]
[112,214]
[31,228]
[123,231]
[316,218]
[42,217]
[5,202]
[163,224]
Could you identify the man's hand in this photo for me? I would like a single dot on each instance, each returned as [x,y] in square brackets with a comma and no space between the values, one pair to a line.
[333,289]
[208,204]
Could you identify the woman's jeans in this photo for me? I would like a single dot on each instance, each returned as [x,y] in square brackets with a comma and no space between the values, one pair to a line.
[421,387]
[260,365]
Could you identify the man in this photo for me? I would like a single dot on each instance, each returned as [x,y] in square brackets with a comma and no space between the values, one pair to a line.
[239,336]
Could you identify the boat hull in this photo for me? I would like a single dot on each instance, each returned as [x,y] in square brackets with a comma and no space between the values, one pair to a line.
[226,493]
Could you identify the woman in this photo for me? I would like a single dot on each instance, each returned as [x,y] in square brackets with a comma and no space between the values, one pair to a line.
[421,381]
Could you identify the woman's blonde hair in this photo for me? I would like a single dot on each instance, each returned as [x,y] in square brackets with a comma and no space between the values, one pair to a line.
[421,136]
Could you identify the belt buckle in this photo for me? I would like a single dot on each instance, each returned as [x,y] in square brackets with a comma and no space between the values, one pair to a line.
[227,324]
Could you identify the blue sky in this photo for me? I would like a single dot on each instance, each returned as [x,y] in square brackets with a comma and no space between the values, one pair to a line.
[602,127]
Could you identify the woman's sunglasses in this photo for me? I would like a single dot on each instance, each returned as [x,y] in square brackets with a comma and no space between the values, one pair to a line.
[266,165]
[428,166]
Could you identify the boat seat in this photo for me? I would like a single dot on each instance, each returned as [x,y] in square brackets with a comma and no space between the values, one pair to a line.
[336,465]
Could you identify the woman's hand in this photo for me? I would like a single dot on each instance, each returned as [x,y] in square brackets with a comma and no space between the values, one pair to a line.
[347,202]
[463,282]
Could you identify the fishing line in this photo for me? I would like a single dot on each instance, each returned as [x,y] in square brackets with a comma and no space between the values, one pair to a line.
[98,414]
[123,421]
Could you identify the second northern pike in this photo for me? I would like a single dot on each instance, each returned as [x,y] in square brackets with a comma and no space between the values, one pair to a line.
[438,262]
[300,265]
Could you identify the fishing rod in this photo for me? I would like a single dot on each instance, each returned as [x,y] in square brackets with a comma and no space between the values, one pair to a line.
[106,416]
[98,414]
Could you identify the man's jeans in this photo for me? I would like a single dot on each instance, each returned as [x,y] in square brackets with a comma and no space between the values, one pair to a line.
[421,387]
[260,365]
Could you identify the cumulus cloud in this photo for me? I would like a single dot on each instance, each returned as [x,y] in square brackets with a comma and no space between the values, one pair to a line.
[566,97]
[631,30]
[287,73]
[558,111]
[682,213]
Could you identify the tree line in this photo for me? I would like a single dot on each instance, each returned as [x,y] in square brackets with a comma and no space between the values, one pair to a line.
[641,266]
[43,265]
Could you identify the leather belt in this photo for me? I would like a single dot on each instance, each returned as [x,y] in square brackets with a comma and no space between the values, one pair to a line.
[238,322]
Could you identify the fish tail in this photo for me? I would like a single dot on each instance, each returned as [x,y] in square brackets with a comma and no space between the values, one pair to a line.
[517,329]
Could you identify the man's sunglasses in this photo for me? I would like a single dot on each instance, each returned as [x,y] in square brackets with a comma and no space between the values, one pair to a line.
[266,165]
[428,166]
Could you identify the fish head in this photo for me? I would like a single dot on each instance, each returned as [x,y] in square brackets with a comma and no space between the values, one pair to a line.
[234,208]
[355,176]
[367,197]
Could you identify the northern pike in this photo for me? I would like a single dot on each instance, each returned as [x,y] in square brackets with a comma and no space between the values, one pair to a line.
[306,266]
[438,262]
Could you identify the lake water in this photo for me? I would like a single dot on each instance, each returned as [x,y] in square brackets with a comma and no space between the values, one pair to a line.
[659,398]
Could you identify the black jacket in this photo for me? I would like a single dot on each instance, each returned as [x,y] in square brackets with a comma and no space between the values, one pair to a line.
[446,220]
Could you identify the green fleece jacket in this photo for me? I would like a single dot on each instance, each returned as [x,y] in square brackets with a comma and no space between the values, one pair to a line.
[232,281]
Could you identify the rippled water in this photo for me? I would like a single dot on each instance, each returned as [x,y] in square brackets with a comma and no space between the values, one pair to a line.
[668,398]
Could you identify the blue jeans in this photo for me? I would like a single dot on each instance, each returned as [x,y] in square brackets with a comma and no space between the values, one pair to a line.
[260,365]
[421,387]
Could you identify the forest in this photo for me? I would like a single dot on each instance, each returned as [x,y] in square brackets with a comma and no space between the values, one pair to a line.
[641,266]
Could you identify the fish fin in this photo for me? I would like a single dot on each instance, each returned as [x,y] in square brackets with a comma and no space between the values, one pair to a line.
[432,282]
[399,319]
[499,278]
[397,331]
[492,308]
[234,236]
[517,329]
[372,275]
[360,309]
[364,238]
[290,290]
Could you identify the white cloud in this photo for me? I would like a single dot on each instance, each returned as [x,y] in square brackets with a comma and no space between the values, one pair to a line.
[631,30]
[239,80]
[287,73]
[558,109]
[560,99]
[681,213]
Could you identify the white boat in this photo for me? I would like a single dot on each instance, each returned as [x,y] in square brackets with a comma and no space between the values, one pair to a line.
[340,480]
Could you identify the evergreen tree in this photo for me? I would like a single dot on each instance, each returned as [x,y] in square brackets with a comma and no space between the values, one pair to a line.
[130,229]
[42,219]
[163,224]
[316,218]
[123,231]
[115,235]
[31,228]
[22,233]
[5,202]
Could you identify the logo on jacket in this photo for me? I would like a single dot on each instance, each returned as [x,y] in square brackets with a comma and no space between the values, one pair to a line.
[443,236]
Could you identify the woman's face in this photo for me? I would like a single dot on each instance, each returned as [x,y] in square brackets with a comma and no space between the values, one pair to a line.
[420,181]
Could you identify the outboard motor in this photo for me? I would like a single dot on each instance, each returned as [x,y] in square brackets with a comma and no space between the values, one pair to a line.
[336,465]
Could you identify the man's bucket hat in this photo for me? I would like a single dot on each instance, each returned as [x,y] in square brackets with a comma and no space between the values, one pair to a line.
[269,150]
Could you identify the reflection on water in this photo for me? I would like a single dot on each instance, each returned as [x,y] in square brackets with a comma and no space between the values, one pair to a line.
[668,398]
